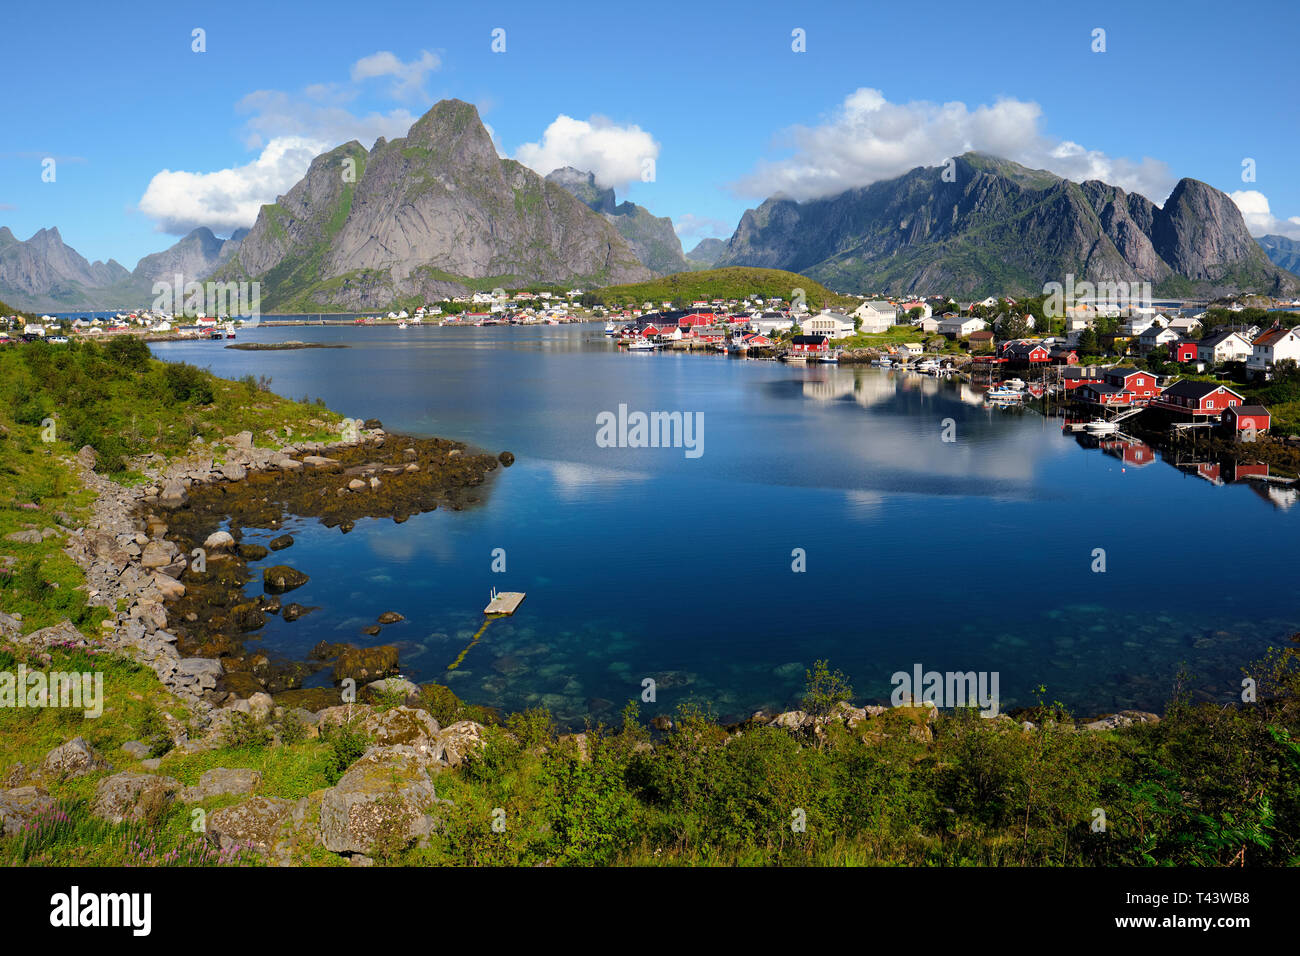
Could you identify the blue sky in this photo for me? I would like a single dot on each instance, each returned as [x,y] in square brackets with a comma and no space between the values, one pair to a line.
[711,92]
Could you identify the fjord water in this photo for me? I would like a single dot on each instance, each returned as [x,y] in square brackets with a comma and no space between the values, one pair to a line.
[643,563]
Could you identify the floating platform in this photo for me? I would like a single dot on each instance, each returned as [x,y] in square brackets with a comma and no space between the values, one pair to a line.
[506,602]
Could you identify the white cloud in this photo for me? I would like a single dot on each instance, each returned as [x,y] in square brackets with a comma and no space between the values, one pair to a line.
[691,226]
[615,154]
[227,199]
[290,130]
[868,138]
[408,78]
[1260,220]
[317,113]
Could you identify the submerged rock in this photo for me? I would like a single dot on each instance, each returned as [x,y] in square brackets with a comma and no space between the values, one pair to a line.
[280,578]
[365,664]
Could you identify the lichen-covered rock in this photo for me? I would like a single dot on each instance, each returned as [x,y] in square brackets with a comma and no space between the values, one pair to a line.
[460,741]
[76,758]
[19,805]
[221,781]
[406,725]
[382,801]
[259,824]
[133,796]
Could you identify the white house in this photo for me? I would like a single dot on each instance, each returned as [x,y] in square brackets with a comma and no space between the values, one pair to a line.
[1156,336]
[1275,345]
[961,326]
[876,316]
[907,307]
[1226,346]
[929,324]
[1185,326]
[1138,323]
[834,325]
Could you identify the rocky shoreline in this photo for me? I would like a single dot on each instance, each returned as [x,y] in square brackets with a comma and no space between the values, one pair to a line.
[153,554]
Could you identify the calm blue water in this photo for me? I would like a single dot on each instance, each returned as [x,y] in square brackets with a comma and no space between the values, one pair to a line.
[971,555]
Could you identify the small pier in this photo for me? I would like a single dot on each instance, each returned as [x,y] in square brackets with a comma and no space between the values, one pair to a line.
[505,602]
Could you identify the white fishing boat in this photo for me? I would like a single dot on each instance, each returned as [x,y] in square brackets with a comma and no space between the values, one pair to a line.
[1003,395]
[609,328]
[1099,426]
[881,363]
[641,345]
[828,358]
[1015,383]
[401,325]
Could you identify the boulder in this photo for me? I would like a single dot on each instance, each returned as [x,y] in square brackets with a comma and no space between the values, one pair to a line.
[86,457]
[168,586]
[291,612]
[173,494]
[21,804]
[156,554]
[133,796]
[259,824]
[221,781]
[408,726]
[365,664]
[390,617]
[281,542]
[460,741]
[280,578]
[76,758]
[219,541]
[382,801]
[252,552]
[202,671]
[248,616]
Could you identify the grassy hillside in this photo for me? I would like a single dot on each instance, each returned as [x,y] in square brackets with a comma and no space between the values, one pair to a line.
[123,403]
[733,282]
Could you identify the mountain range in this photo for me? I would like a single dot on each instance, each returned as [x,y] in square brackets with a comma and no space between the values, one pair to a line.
[44,273]
[438,212]
[983,225]
[652,238]
[1281,251]
[433,213]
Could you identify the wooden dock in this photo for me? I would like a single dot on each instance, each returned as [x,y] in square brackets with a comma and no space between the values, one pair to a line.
[506,602]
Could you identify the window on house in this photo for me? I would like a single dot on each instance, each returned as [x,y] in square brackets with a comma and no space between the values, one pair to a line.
[1210,403]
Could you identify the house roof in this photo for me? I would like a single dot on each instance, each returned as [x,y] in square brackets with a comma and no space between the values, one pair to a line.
[808,340]
[1249,410]
[1104,388]
[1196,390]
[1271,336]
[1211,341]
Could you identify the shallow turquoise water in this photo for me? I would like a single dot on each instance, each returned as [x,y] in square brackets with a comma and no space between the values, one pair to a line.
[642,562]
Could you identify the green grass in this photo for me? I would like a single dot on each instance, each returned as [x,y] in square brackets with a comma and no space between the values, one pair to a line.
[734,282]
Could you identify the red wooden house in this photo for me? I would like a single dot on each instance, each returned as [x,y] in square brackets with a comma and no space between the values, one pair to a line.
[1078,375]
[1239,419]
[1142,385]
[1183,351]
[1198,398]
[1103,393]
[808,344]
